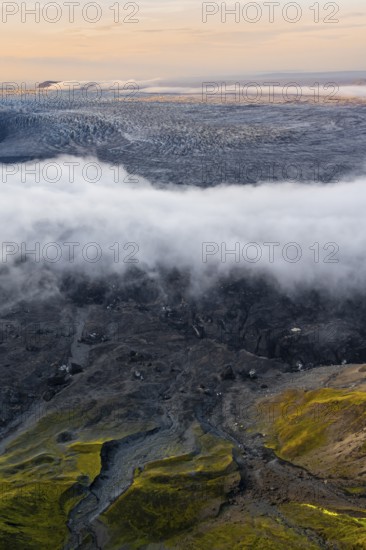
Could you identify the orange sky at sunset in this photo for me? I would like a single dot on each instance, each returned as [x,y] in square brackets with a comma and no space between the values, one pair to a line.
[169,39]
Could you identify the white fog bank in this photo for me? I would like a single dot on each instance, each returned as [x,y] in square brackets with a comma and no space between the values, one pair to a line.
[80,214]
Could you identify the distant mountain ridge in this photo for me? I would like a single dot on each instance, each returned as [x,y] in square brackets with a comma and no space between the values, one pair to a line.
[47,83]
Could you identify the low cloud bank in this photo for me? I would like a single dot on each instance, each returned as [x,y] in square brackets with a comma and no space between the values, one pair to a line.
[73,214]
[254,89]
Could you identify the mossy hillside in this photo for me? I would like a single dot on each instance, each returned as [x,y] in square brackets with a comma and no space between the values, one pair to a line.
[251,533]
[299,527]
[37,499]
[322,430]
[42,478]
[340,531]
[172,494]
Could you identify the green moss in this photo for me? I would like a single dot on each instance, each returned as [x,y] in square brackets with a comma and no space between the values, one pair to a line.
[171,495]
[323,431]
[39,494]
[258,533]
[42,479]
[338,530]
[87,457]
[307,428]
[31,517]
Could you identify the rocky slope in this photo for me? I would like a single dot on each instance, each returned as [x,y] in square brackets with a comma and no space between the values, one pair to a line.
[136,415]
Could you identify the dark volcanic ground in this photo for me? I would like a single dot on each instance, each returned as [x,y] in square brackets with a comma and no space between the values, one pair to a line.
[150,326]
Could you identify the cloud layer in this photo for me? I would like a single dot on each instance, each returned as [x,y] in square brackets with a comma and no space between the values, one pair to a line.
[88,216]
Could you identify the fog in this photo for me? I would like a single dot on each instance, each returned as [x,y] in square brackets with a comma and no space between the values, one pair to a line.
[300,235]
[252,89]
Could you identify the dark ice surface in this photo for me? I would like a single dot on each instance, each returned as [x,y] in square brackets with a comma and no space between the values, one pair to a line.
[193,143]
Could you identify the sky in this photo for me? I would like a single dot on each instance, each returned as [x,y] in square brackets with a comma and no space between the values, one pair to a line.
[150,39]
